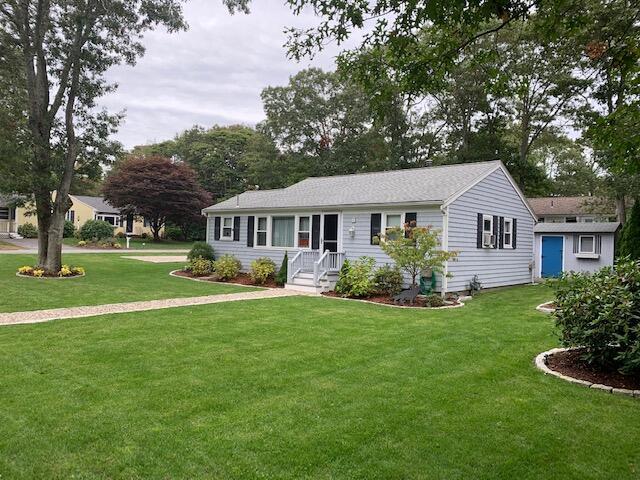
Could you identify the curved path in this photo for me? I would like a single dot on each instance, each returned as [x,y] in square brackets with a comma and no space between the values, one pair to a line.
[39,316]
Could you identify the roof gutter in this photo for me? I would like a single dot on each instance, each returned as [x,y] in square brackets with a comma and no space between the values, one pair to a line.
[359,206]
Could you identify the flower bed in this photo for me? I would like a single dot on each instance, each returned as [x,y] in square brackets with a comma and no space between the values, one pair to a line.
[36,272]
[240,279]
[567,364]
[104,245]
[421,301]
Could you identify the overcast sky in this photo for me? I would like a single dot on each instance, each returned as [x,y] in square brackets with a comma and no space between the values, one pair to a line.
[211,74]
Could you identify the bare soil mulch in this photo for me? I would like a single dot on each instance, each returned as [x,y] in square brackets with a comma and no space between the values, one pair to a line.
[242,279]
[569,363]
[387,300]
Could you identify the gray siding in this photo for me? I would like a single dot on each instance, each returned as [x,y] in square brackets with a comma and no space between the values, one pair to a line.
[495,267]
[354,247]
[571,262]
[360,244]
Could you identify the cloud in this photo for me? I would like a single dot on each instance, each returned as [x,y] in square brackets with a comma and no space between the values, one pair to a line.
[211,74]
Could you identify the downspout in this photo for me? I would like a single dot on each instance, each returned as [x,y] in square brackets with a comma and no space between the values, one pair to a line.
[445,246]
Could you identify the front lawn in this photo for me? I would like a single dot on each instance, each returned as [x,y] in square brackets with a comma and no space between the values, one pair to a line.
[305,387]
[109,279]
[141,244]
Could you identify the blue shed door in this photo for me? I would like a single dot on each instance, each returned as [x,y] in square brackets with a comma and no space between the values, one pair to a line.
[552,256]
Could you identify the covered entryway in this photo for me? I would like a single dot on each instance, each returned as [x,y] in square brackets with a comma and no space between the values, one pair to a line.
[551,253]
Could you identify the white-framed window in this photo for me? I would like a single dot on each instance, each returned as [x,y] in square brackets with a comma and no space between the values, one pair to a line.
[262,231]
[283,231]
[392,220]
[226,228]
[70,215]
[304,231]
[112,219]
[587,244]
[488,240]
[507,235]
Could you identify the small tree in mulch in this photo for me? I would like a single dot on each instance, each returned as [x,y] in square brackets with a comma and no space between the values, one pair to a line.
[415,249]
[281,276]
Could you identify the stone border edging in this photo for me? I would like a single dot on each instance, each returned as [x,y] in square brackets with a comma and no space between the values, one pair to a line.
[458,305]
[543,309]
[173,274]
[541,364]
[18,274]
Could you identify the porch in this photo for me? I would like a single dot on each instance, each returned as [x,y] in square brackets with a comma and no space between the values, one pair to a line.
[8,228]
[314,271]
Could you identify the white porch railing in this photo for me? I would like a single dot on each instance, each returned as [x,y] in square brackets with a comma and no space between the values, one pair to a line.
[329,262]
[302,261]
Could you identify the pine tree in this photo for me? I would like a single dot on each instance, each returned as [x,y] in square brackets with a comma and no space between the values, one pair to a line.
[630,241]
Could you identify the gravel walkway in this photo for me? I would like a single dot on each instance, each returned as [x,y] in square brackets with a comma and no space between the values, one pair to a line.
[39,316]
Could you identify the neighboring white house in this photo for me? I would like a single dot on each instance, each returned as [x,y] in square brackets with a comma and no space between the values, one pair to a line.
[320,221]
[573,247]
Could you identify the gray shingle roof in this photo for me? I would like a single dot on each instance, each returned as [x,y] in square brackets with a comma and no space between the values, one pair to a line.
[98,203]
[571,205]
[581,227]
[431,184]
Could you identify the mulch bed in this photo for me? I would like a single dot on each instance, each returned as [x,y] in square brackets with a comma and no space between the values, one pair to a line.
[387,300]
[569,363]
[242,279]
[551,305]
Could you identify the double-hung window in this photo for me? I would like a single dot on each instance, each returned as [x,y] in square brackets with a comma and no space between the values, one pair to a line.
[587,244]
[262,231]
[391,221]
[227,228]
[487,231]
[71,215]
[304,232]
[507,235]
[283,231]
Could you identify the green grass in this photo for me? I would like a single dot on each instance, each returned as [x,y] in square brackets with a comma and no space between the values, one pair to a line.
[141,244]
[109,279]
[306,388]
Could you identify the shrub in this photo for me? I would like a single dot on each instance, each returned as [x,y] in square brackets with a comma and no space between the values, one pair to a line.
[281,277]
[81,243]
[200,267]
[202,250]
[601,312]
[26,270]
[69,229]
[630,237]
[28,230]
[171,232]
[341,284]
[357,280]
[120,235]
[227,267]
[144,236]
[434,300]
[388,280]
[95,230]
[262,269]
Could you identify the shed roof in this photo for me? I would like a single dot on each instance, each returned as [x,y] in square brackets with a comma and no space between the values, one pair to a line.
[579,227]
[571,205]
[97,203]
[415,185]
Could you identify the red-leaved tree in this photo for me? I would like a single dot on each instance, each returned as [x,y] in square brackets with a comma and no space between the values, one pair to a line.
[157,189]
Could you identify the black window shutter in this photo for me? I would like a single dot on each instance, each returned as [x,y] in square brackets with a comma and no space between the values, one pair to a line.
[496,228]
[408,218]
[515,232]
[376,225]
[236,229]
[315,232]
[250,224]
[216,228]
[501,233]
[479,232]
